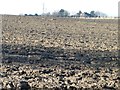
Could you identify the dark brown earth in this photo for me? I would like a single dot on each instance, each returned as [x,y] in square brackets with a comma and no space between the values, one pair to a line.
[59,53]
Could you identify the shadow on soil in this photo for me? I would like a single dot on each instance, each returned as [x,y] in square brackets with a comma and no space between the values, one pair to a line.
[36,54]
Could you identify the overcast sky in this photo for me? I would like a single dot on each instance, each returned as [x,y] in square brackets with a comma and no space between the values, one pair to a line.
[110,7]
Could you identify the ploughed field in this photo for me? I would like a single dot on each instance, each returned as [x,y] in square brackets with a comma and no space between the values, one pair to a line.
[59,53]
[28,38]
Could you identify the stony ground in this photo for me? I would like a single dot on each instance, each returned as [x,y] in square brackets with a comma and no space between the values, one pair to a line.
[59,76]
[59,53]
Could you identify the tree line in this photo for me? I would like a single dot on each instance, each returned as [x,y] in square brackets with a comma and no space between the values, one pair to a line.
[65,13]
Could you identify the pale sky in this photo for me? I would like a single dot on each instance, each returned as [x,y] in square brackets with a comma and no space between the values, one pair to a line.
[110,7]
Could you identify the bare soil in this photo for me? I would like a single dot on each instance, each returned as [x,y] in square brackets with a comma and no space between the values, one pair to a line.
[69,44]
